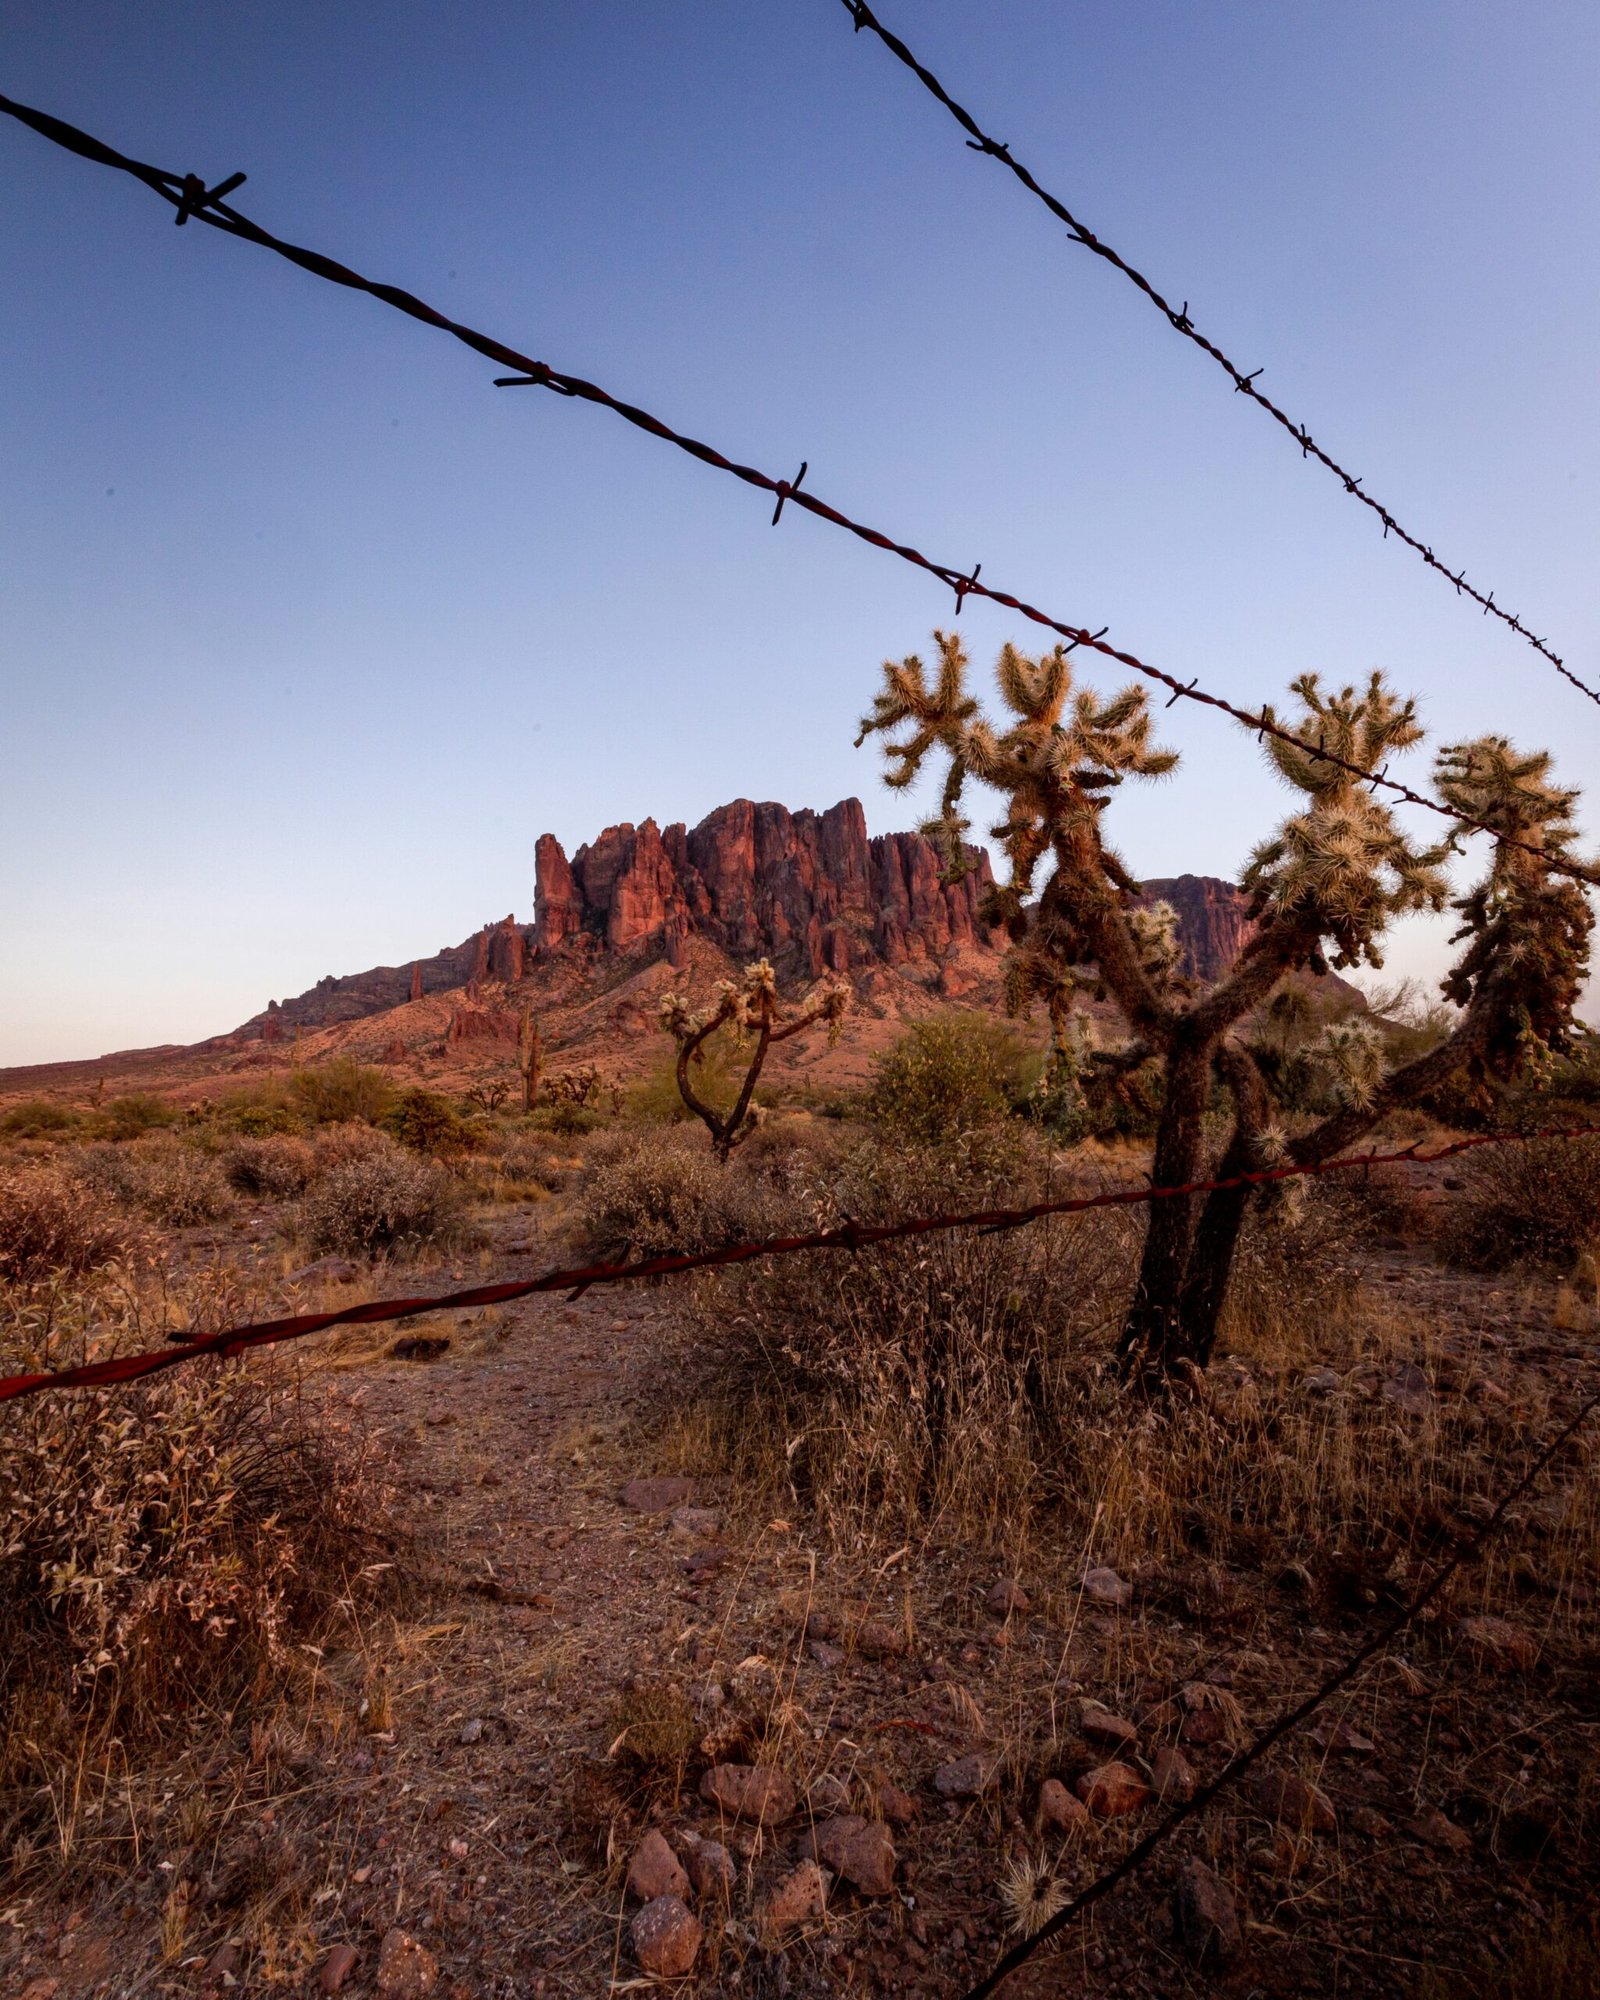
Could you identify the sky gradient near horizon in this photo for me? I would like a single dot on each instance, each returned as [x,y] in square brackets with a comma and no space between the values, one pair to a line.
[308,632]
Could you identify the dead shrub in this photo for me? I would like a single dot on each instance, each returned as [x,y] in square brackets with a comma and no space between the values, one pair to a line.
[1553,1960]
[383,1201]
[939,1376]
[272,1169]
[51,1224]
[181,1187]
[665,1192]
[1538,1203]
[164,1549]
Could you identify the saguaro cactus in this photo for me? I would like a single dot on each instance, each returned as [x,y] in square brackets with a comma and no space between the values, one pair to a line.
[528,1058]
[750,1006]
[1323,890]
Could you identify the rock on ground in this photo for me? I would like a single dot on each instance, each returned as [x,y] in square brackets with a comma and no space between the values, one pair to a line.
[1204,1917]
[859,1850]
[406,1970]
[1111,1790]
[654,1870]
[800,1898]
[749,1791]
[666,1938]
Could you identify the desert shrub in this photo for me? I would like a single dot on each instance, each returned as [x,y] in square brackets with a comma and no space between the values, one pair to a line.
[180,1187]
[127,1117]
[665,1192]
[37,1118]
[1538,1202]
[260,1110]
[164,1548]
[340,1091]
[428,1123]
[272,1168]
[566,1119]
[936,1377]
[384,1200]
[1556,1959]
[947,1075]
[50,1223]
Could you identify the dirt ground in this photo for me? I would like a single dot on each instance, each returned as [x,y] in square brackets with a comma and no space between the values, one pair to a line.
[476,1773]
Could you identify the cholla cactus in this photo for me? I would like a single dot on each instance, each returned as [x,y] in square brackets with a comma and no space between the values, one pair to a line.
[750,1006]
[1323,889]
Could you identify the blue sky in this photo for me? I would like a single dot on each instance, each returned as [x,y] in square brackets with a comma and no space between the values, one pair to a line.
[309,632]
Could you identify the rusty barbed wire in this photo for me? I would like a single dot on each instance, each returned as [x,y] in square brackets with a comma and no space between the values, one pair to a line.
[848,1235]
[1178,318]
[188,194]
[1285,1724]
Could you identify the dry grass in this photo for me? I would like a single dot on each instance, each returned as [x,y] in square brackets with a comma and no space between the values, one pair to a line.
[1539,1202]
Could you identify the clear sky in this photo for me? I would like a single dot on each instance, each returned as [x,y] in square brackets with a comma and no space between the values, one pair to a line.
[307,632]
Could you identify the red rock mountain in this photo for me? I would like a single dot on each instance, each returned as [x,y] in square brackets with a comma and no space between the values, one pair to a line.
[811,891]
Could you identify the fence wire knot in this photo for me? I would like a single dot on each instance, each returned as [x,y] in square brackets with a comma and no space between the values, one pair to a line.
[195,195]
[962,585]
[786,487]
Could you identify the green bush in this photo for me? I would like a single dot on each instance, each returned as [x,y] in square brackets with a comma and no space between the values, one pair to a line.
[716,1078]
[127,1117]
[565,1119]
[338,1091]
[428,1123]
[946,1076]
[260,1111]
[37,1118]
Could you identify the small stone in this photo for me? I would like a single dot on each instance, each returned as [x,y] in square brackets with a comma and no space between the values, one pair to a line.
[471,1730]
[1407,1390]
[1059,1809]
[654,1870]
[1173,1777]
[825,1652]
[898,1807]
[800,1898]
[1433,1829]
[1101,1726]
[858,1849]
[1204,1726]
[658,1495]
[337,1967]
[1104,1586]
[666,1938]
[1322,1381]
[406,1970]
[1370,1823]
[822,1625]
[1338,1739]
[1111,1790]
[1005,1597]
[967,1777]
[877,1639]
[691,1524]
[710,1867]
[1497,1642]
[223,1964]
[1287,1798]
[329,1270]
[1203,1916]
[827,1795]
[748,1791]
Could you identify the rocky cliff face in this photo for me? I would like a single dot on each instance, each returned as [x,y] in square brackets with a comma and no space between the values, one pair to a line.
[808,890]
[1212,926]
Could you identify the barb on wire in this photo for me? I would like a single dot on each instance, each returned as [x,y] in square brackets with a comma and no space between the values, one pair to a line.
[1286,1723]
[539,374]
[1179,320]
[847,1235]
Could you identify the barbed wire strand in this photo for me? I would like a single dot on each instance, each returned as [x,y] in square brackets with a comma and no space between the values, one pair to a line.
[189,195]
[1285,1724]
[1178,318]
[849,1235]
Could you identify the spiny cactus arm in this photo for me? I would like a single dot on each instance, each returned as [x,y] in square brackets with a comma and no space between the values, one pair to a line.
[1280,946]
[830,1004]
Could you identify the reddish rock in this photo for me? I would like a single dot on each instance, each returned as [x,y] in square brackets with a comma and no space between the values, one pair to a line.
[1287,1798]
[337,1967]
[1173,1777]
[658,1495]
[1059,1809]
[710,1867]
[666,1938]
[482,1024]
[406,1970]
[1101,1726]
[966,1778]
[655,1871]
[1111,1790]
[859,1850]
[877,1639]
[1213,924]
[416,980]
[808,890]
[1005,1597]
[1204,1918]
[1104,1586]
[749,1791]
[898,1807]
[800,1898]
[1435,1830]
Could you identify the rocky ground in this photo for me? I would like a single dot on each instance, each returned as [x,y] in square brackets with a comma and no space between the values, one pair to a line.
[626,1731]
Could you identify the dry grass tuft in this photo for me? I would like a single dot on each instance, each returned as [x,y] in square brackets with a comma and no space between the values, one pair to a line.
[1539,1202]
